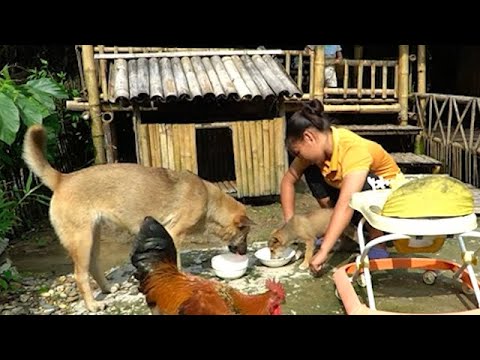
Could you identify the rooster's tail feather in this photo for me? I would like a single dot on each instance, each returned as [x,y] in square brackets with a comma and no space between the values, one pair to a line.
[153,244]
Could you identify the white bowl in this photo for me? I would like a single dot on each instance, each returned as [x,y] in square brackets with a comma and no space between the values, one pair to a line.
[230,266]
[265,257]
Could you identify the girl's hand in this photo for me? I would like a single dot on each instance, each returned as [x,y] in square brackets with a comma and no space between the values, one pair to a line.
[317,261]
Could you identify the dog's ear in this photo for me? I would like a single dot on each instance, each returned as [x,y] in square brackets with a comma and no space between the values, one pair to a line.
[242,221]
[273,240]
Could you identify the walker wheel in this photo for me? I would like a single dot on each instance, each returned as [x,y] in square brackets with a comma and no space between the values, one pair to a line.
[429,277]
[467,290]
[361,281]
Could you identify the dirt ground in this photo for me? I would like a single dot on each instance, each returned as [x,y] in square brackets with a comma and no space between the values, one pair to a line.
[403,291]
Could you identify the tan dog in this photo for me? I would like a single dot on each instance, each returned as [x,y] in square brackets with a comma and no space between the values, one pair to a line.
[305,228]
[125,194]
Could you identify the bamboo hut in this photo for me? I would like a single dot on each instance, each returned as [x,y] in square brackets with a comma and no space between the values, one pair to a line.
[218,113]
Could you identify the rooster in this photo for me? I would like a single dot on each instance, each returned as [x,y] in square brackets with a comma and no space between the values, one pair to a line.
[169,291]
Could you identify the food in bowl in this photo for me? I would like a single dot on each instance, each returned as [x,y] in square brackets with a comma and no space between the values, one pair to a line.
[230,266]
[265,257]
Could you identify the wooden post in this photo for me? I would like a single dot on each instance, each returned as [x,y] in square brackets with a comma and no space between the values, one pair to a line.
[403,83]
[357,55]
[319,72]
[358,51]
[94,102]
[422,89]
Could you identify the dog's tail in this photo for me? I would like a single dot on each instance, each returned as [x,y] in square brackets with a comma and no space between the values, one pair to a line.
[34,145]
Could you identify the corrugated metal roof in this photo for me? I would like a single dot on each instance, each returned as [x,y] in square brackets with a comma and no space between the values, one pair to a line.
[168,79]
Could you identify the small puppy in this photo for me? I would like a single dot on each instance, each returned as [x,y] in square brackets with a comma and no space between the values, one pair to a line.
[305,228]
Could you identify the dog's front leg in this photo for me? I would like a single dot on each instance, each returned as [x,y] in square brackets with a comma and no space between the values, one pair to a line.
[308,254]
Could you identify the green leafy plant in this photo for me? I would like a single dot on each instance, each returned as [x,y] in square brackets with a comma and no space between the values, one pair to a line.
[7,214]
[30,103]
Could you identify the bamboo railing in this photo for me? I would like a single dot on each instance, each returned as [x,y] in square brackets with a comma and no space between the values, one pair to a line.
[451,132]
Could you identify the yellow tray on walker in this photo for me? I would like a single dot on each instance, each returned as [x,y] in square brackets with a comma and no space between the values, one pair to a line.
[427,234]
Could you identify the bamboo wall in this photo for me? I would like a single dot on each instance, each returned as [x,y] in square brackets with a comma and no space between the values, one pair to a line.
[260,158]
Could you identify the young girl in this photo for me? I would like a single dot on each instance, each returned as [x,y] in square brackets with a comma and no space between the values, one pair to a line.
[347,162]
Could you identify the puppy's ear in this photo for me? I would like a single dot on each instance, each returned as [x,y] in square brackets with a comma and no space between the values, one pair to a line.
[243,221]
[273,240]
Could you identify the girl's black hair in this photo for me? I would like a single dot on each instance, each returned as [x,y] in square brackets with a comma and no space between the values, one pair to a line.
[311,115]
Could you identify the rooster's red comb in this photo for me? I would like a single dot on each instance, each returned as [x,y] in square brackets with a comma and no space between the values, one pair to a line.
[276,287]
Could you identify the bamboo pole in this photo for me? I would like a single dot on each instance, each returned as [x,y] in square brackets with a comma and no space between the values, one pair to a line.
[345,80]
[248,158]
[162,138]
[176,146]
[255,157]
[358,51]
[193,148]
[403,83]
[94,103]
[337,91]
[103,76]
[261,156]
[373,109]
[311,80]
[171,149]
[144,145]
[266,156]
[357,55]
[421,72]
[384,81]
[319,72]
[300,71]
[180,54]
[279,151]
[135,123]
[360,80]
[153,140]
[236,158]
[271,142]
[242,180]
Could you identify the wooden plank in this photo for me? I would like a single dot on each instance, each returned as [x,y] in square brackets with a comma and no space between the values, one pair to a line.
[412,159]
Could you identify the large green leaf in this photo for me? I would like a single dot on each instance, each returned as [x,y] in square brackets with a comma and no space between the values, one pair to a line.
[49,87]
[5,72]
[43,98]
[9,119]
[31,111]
